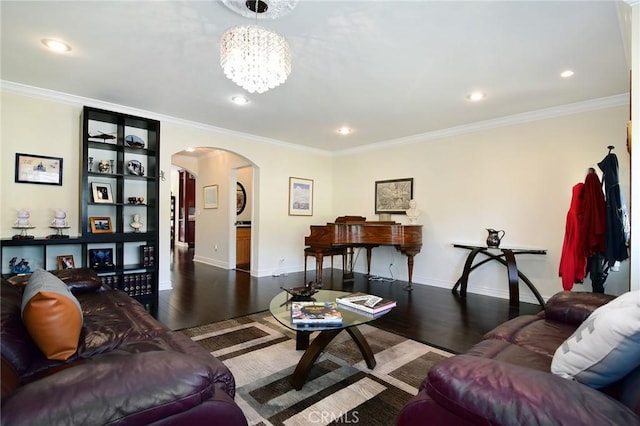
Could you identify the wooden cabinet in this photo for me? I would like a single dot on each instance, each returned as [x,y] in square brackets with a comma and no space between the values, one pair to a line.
[243,247]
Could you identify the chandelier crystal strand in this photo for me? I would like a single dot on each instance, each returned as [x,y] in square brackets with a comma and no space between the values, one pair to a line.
[255,58]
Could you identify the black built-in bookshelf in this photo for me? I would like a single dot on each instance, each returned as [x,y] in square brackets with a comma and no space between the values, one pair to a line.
[119,178]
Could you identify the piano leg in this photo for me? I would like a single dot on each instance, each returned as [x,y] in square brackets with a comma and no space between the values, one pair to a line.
[409,287]
[369,249]
[347,270]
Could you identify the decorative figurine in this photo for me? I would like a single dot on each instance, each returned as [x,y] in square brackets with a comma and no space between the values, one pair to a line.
[136,200]
[102,136]
[90,165]
[59,223]
[412,212]
[300,294]
[23,218]
[136,224]
[103,166]
[21,267]
[23,223]
[60,218]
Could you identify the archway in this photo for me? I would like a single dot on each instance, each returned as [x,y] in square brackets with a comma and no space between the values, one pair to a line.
[218,221]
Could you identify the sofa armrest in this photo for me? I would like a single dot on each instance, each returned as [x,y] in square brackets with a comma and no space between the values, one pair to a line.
[487,391]
[573,307]
[138,388]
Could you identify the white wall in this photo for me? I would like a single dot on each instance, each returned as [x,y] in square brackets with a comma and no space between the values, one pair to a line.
[34,126]
[275,234]
[516,178]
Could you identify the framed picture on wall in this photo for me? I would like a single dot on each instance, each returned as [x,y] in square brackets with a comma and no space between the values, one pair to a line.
[210,194]
[393,196]
[38,169]
[300,197]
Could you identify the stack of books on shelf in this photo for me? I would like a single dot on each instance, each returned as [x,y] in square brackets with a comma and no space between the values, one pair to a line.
[132,284]
[315,313]
[148,256]
[367,303]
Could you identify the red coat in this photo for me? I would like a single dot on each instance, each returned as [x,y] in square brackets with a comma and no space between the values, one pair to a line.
[585,230]
[573,264]
[593,224]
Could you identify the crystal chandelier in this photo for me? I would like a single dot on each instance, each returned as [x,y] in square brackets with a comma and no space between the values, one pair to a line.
[255,58]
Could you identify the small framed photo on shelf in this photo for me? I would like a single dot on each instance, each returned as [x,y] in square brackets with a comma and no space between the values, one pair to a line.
[210,197]
[393,196]
[38,169]
[300,197]
[100,225]
[101,192]
[66,262]
[101,259]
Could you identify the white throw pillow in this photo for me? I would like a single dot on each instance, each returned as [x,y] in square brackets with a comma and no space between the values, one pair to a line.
[605,347]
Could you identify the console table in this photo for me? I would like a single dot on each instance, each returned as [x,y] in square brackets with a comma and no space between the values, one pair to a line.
[507,257]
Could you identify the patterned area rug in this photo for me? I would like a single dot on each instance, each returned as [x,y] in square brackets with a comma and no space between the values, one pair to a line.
[340,389]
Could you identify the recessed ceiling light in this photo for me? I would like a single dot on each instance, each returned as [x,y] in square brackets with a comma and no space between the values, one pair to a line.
[476,96]
[190,149]
[344,130]
[566,74]
[56,45]
[239,100]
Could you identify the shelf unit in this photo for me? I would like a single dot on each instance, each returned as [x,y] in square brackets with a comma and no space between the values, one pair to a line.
[117,181]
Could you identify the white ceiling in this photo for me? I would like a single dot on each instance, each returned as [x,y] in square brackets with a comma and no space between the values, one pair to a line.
[388,69]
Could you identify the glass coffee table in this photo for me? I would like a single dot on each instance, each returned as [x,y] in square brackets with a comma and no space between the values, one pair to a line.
[280,308]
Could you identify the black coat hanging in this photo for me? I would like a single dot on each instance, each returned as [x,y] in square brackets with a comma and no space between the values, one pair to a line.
[615,246]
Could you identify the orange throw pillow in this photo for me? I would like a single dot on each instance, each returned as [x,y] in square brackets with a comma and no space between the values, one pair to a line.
[52,315]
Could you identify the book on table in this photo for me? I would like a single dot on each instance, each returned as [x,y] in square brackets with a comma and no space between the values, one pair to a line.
[363,302]
[360,312]
[315,313]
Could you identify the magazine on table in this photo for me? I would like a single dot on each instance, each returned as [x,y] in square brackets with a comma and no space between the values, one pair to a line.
[315,313]
[366,302]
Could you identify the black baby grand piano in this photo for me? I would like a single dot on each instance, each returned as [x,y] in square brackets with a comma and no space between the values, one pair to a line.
[356,231]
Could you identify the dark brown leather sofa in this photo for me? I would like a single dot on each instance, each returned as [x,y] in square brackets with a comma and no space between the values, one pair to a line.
[128,369]
[505,379]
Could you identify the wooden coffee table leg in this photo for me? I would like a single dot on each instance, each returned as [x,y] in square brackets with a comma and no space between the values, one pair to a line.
[302,340]
[317,347]
[311,355]
[364,347]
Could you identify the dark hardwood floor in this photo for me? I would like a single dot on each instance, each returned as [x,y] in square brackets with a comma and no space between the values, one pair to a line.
[202,294]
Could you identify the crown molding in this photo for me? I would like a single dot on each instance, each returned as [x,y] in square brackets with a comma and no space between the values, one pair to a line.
[79,101]
[632,2]
[510,120]
[558,111]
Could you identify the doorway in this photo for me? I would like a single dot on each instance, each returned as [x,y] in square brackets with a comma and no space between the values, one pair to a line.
[187,209]
[220,230]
